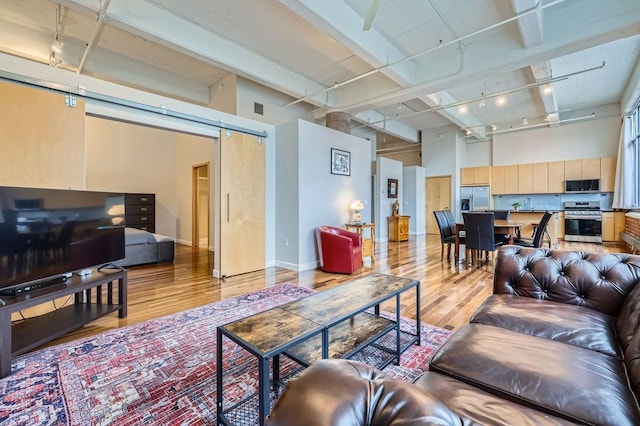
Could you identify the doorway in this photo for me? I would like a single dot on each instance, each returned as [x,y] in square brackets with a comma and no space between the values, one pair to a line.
[438,196]
[201,197]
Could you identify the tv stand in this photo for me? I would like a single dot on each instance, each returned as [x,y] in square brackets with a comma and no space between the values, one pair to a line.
[23,336]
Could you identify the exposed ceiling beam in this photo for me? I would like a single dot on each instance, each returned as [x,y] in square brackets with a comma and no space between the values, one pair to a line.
[543,72]
[569,28]
[342,23]
[147,20]
[530,25]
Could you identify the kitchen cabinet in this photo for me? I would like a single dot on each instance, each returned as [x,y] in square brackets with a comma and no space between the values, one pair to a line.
[497,180]
[540,178]
[555,177]
[525,178]
[607,173]
[511,179]
[398,227]
[612,225]
[591,168]
[573,169]
[587,168]
[475,176]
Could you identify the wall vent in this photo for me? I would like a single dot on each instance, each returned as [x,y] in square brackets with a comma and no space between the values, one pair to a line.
[258,108]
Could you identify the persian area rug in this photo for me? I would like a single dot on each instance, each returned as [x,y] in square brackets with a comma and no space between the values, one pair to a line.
[159,372]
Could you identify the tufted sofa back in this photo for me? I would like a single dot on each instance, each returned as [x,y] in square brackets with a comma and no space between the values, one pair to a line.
[600,281]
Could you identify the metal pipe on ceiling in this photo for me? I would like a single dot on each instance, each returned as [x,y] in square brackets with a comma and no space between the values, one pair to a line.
[533,9]
[100,18]
[492,95]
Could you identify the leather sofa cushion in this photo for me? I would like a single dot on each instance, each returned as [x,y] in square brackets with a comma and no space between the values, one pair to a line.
[483,407]
[341,392]
[564,380]
[571,324]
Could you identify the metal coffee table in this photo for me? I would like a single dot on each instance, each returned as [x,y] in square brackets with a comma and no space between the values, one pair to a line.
[336,323]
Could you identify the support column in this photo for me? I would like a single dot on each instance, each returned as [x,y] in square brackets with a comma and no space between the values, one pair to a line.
[339,120]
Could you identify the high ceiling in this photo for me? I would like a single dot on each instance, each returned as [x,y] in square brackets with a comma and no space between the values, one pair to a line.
[421,64]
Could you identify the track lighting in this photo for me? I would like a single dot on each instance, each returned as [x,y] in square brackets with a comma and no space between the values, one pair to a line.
[57,45]
[525,121]
[462,109]
[494,127]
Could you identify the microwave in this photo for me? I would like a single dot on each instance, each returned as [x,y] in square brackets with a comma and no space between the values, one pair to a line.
[581,186]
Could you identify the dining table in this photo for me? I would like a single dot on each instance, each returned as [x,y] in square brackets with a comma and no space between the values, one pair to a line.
[506,227]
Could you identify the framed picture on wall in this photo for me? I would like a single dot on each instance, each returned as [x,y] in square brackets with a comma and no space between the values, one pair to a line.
[340,162]
[392,188]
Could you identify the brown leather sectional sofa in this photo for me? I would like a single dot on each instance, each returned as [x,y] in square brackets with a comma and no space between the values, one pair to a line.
[557,343]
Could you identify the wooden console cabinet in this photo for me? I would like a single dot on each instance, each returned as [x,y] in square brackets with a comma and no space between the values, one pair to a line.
[398,227]
[23,336]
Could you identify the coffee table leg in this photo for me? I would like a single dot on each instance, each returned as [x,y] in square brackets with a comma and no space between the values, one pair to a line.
[398,329]
[418,315]
[263,383]
[219,376]
[276,372]
[325,342]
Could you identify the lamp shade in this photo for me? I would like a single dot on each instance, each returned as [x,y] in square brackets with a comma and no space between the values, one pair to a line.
[357,205]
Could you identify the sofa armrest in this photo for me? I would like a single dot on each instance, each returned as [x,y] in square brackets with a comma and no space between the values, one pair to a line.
[599,281]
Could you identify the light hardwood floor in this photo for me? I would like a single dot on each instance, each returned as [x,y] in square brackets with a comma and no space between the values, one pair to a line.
[450,292]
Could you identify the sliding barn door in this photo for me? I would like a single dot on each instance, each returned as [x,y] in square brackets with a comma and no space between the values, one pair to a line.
[242,203]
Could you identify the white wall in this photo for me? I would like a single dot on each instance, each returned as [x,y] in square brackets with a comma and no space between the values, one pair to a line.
[125,157]
[248,92]
[287,190]
[571,141]
[309,194]
[325,198]
[413,180]
[387,169]
[192,150]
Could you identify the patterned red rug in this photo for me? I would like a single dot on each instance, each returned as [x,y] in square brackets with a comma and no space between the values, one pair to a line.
[160,371]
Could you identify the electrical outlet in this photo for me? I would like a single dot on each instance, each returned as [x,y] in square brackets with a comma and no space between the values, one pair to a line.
[286,242]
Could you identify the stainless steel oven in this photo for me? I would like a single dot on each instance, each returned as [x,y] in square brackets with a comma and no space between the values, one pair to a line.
[583,221]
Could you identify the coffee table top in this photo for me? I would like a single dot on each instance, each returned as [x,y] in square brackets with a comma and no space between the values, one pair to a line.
[337,303]
[272,331]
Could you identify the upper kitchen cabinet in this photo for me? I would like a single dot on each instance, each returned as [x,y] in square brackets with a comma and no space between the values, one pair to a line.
[607,173]
[587,168]
[470,176]
[540,175]
[555,177]
[497,180]
[525,179]
[511,179]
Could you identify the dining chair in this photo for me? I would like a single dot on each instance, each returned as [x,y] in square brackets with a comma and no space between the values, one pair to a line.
[501,215]
[447,227]
[537,239]
[480,234]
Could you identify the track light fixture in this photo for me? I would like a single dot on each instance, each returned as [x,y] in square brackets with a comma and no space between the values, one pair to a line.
[525,121]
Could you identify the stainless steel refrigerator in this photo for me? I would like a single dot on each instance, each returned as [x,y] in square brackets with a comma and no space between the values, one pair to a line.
[474,198]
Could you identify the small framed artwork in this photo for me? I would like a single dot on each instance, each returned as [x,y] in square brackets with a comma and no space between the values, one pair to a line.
[392,188]
[340,162]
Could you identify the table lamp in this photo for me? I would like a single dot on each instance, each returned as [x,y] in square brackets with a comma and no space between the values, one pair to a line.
[356,206]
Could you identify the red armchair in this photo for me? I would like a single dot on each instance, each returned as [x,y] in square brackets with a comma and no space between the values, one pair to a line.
[340,250]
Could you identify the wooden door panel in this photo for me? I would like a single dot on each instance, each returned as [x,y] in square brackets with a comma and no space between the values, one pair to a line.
[242,216]
[438,197]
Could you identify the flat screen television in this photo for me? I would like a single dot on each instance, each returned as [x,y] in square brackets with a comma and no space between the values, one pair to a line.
[45,233]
